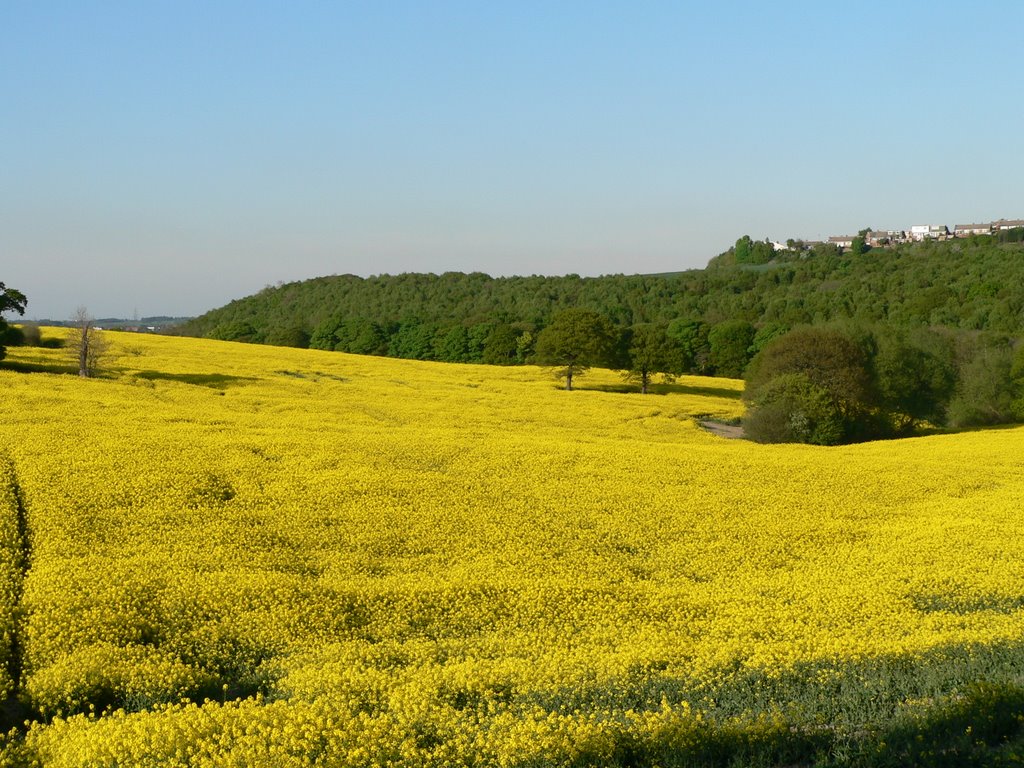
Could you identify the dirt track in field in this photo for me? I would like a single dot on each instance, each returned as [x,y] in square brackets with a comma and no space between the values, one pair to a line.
[722,430]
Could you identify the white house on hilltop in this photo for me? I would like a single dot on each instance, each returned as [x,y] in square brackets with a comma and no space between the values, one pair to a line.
[843,241]
[929,232]
[963,230]
[1004,224]
[919,232]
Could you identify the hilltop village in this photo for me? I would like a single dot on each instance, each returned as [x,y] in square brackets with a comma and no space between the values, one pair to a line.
[916,233]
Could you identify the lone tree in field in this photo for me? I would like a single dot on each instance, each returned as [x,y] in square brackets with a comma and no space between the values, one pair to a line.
[651,351]
[10,301]
[575,340]
[86,342]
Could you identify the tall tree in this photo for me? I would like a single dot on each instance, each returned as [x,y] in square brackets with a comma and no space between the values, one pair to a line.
[414,340]
[575,340]
[11,300]
[86,343]
[651,351]
[742,250]
[366,338]
[692,338]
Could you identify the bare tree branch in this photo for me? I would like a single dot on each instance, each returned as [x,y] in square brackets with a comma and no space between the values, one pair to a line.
[86,343]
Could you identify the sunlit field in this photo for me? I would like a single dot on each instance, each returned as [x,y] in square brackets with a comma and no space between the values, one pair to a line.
[242,555]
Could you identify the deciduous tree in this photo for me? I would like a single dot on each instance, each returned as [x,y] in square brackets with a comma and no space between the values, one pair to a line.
[86,343]
[835,366]
[691,336]
[915,373]
[575,340]
[11,300]
[651,351]
[500,345]
[985,392]
[729,344]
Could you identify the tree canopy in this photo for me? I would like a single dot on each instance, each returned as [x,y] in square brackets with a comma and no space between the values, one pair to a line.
[11,300]
[651,351]
[576,340]
[834,384]
[968,284]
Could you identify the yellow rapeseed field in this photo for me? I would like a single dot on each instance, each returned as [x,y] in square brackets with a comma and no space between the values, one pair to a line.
[244,555]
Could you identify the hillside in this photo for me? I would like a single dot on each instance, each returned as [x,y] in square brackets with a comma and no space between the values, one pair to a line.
[264,556]
[975,283]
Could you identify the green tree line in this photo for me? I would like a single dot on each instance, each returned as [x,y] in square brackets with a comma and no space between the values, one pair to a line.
[845,383]
[972,284]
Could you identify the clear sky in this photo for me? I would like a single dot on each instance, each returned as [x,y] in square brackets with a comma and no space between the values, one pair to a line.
[167,157]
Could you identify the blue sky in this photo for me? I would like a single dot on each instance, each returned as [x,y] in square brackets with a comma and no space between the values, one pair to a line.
[167,157]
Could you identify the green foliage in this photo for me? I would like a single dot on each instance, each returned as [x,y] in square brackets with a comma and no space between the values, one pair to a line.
[742,250]
[525,346]
[11,335]
[790,408]
[356,335]
[1017,384]
[651,351]
[235,330]
[985,393]
[829,359]
[729,346]
[814,364]
[292,336]
[762,252]
[414,340]
[501,346]
[576,340]
[452,346]
[765,334]
[363,337]
[1015,235]
[882,382]
[915,373]
[691,336]
[11,300]
[476,341]
[747,251]
[965,285]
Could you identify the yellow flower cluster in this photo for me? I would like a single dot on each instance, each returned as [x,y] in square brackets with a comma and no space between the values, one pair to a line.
[11,569]
[248,555]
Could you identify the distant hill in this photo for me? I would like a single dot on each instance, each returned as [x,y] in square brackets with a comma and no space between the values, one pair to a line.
[974,283]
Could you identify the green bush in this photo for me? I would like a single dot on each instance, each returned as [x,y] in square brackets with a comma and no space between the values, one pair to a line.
[985,393]
[792,409]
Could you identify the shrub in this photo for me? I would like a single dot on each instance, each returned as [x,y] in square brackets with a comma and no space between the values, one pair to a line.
[812,385]
[33,336]
[12,336]
[792,409]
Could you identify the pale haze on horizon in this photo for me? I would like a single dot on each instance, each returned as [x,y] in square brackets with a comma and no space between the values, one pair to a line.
[165,158]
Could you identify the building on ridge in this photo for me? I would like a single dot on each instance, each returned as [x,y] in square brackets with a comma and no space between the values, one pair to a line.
[964,230]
